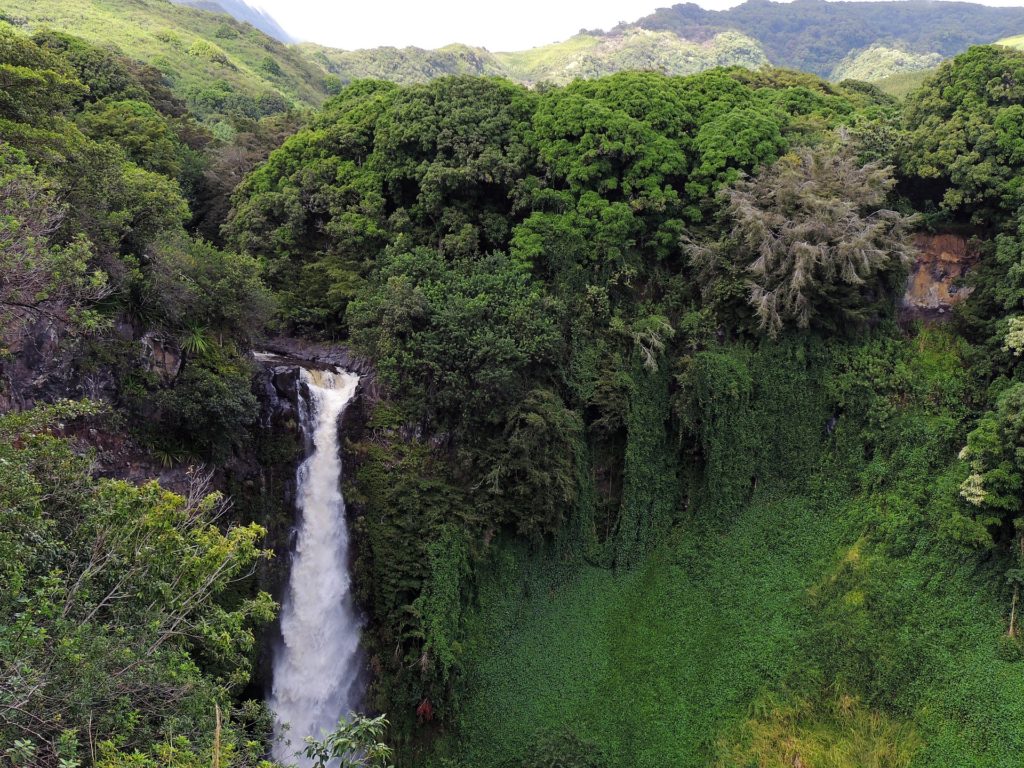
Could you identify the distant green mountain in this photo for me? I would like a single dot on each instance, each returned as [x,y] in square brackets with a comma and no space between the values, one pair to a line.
[582,56]
[222,67]
[817,35]
[226,58]
[837,40]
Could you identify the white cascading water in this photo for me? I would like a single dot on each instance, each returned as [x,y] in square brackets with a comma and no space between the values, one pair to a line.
[316,667]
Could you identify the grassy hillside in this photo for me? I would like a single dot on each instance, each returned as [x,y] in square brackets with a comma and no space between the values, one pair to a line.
[590,56]
[583,55]
[879,62]
[403,65]
[1017,41]
[219,65]
[902,84]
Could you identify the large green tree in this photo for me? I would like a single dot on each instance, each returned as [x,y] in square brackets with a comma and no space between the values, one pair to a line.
[110,594]
[815,240]
[966,134]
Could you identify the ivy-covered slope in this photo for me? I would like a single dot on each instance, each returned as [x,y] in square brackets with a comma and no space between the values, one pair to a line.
[815,602]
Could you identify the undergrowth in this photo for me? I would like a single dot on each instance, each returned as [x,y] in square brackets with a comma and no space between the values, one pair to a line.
[822,602]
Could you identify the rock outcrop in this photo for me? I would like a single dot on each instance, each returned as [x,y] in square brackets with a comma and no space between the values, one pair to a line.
[935,284]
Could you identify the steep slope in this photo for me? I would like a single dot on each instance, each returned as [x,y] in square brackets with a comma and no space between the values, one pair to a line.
[712,652]
[220,66]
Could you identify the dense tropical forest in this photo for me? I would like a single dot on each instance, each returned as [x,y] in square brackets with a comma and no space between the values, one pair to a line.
[692,437]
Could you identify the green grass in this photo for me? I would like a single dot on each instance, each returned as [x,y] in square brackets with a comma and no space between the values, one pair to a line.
[170,37]
[659,665]
[1017,41]
[652,664]
[902,84]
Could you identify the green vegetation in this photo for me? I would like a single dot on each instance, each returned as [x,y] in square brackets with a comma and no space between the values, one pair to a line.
[125,635]
[879,62]
[582,56]
[1017,41]
[816,36]
[356,743]
[900,86]
[585,56]
[230,72]
[403,65]
[111,600]
[650,473]
[219,65]
[964,135]
[766,629]
[656,480]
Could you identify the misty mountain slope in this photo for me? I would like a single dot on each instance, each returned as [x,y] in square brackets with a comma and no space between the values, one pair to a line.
[244,12]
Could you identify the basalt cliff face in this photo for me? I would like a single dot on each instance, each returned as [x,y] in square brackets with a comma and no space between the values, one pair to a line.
[936,280]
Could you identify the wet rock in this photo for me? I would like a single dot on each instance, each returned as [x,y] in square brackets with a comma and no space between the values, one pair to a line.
[161,356]
[282,356]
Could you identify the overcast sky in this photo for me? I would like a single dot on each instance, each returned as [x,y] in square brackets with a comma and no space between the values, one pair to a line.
[499,25]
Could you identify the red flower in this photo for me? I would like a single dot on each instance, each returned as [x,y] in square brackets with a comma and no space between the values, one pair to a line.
[425,711]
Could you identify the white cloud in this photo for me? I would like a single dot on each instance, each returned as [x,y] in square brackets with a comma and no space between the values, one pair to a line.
[499,26]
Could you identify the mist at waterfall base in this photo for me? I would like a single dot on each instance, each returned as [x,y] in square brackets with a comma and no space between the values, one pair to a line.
[316,667]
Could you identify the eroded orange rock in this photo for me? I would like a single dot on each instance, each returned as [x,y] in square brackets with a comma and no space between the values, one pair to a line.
[935,282]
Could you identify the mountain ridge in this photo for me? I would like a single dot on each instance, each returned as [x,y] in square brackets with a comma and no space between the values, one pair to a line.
[815,35]
[215,52]
[244,12]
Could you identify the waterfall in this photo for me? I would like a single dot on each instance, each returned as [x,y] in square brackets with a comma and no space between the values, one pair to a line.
[316,668]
